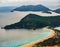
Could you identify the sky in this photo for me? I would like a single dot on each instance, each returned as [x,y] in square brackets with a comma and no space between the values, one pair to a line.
[49,3]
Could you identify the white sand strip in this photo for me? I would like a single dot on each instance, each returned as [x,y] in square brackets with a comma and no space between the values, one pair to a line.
[37,41]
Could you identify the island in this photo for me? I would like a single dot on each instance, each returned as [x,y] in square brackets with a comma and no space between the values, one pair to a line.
[33,8]
[36,8]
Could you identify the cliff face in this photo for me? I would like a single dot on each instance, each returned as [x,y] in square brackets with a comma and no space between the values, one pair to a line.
[33,21]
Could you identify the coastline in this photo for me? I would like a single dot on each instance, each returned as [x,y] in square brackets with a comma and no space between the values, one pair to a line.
[38,41]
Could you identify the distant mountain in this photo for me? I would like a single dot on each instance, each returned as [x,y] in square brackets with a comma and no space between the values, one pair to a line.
[6,8]
[57,11]
[32,8]
[33,21]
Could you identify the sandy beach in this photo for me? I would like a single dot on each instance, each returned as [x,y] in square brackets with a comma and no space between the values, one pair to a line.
[37,41]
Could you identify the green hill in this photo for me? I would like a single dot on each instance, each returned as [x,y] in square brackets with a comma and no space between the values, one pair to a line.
[33,21]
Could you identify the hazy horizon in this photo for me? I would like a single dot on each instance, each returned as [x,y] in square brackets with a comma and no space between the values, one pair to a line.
[53,4]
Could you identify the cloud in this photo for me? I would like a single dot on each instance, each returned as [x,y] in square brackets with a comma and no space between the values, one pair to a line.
[8,1]
[37,1]
[13,1]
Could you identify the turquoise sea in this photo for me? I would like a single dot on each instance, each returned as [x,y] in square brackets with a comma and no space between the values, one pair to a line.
[14,38]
